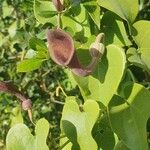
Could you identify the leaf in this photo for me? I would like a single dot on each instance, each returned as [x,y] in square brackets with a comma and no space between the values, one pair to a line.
[127,9]
[19,137]
[141,34]
[129,116]
[37,44]
[114,30]
[75,18]
[44,11]
[108,72]
[28,65]
[78,125]
[134,58]
[94,11]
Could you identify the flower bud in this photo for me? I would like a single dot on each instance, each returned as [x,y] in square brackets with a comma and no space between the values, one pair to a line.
[96,49]
[26,104]
[58,5]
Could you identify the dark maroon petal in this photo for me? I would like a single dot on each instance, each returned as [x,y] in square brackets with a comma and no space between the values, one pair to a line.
[58,5]
[61,46]
[81,70]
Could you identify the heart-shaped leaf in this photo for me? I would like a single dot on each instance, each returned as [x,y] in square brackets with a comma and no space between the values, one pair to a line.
[19,137]
[77,124]
[129,117]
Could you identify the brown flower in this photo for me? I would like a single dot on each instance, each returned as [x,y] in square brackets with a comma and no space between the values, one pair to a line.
[62,51]
[58,5]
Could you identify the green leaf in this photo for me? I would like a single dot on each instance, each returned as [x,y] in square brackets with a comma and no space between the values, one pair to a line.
[78,125]
[114,30]
[141,34]
[126,9]
[108,72]
[76,19]
[37,44]
[129,117]
[19,137]
[134,57]
[94,11]
[28,65]
[44,11]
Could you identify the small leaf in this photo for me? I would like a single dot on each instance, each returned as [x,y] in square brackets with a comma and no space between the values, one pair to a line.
[44,11]
[37,44]
[28,65]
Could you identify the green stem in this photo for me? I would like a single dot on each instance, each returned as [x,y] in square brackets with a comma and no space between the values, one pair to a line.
[59,23]
[129,35]
[62,146]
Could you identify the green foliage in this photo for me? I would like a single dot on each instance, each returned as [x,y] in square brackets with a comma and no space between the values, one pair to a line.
[106,110]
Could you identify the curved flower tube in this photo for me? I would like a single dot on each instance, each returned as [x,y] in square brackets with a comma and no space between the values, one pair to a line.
[58,5]
[62,51]
[11,89]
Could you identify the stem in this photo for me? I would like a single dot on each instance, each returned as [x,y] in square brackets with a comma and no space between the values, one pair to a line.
[55,101]
[59,23]
[129,35]
[60,137]
[62,146]
[58,89]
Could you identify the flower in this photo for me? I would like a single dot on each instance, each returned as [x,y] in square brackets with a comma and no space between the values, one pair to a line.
[62,51]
